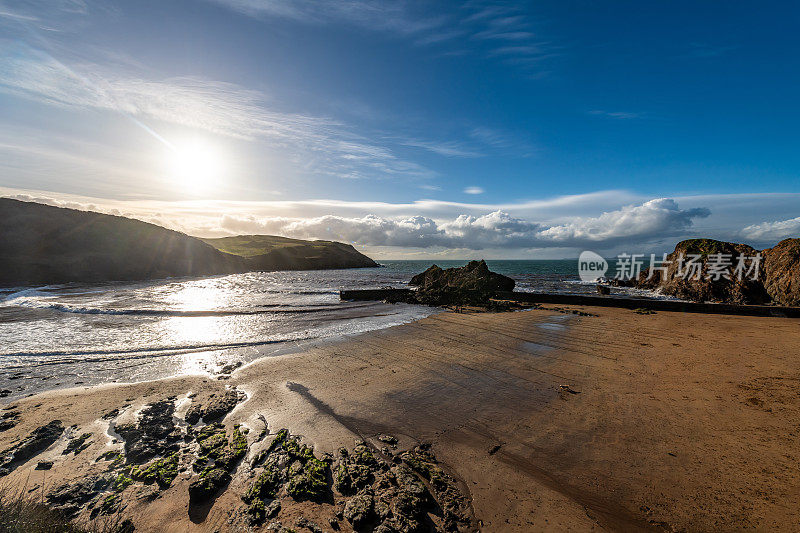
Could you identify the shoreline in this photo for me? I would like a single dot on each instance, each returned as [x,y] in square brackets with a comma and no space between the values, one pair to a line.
[164,362]
[548,419]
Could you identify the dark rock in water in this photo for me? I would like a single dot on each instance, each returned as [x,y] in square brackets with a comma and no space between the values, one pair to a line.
[38,441]
[703,288]
[473,284]
[782,272]
[4,393]
[154,434]
[603,290]
[207,485]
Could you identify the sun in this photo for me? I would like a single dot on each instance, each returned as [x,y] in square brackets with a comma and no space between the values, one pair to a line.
[195,166]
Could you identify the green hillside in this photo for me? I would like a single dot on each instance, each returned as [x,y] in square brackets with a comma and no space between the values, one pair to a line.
[269,252]
[41,244]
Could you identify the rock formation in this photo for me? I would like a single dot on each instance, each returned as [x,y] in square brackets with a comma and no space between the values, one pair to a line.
[782,272]
[777,275]
[472,284]
[703,287]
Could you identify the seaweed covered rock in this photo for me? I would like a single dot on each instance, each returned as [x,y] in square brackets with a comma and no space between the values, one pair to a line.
[455,508]
[782,272]
[217,450]
[207,485]
[289,468]
[700,283]
[472,284]
[161,471]
[35,443]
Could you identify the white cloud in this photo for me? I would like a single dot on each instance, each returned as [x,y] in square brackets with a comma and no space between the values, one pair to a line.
[772,231]
[659,217]
[607,221]
[498,229]
[474,190]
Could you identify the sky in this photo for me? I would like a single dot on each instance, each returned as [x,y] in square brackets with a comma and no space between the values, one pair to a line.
[411,129]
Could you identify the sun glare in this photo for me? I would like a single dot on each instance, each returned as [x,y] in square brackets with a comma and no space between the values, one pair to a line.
[195,166]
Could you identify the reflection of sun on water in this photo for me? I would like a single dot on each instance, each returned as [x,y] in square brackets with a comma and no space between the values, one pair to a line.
[200,295]
[196,330]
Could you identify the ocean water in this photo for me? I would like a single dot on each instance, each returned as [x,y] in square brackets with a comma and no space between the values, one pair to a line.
[66,335]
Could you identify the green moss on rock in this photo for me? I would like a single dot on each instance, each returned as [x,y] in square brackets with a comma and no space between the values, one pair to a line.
[162,471]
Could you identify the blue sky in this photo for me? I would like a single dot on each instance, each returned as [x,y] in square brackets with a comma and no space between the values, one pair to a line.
[547,127]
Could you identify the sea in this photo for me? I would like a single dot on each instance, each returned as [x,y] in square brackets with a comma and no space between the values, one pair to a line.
[59,336]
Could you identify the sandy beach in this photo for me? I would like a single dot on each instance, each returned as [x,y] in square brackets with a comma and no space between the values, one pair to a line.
[548,420]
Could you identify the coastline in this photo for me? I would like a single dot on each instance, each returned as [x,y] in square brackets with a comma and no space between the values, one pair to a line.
[549,420]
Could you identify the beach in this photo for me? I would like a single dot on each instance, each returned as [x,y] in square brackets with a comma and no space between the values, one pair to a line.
[547,419]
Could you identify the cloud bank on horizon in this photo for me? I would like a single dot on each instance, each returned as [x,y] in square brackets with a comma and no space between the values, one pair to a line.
[546,229]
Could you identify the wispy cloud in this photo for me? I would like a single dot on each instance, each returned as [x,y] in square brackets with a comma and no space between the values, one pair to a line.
[511,34]
[619,115]
[502,140]
[443,148]
[217,107]
[474,190]
[369,14]
[503,26]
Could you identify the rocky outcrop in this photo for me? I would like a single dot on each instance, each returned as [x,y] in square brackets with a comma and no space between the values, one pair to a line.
[773,280]
[782,272]
[702,285]
[472,284]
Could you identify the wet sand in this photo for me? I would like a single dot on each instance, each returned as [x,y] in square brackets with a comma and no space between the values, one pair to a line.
[551,421]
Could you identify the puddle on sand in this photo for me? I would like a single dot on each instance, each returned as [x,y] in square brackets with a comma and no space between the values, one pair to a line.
[552,327]
[535,348]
